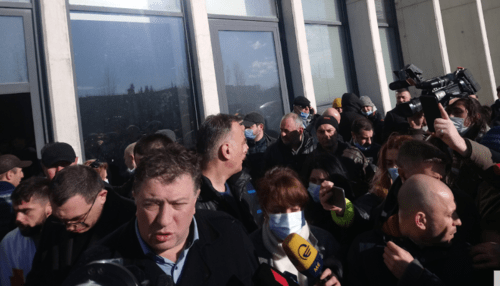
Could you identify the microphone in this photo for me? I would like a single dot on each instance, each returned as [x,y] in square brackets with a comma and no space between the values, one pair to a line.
[303,256]
[398,85]
[269,276]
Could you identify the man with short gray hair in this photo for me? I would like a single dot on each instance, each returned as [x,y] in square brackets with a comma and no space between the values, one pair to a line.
[292,147]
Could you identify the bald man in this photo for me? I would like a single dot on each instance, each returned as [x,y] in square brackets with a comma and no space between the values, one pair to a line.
[424,253]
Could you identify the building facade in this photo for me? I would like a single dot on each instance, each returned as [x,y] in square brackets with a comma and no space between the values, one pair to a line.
[99,73]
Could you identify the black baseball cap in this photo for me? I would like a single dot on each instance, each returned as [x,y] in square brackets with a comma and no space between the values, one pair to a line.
[253,118]
[57,152]
[9,162]
[301,101]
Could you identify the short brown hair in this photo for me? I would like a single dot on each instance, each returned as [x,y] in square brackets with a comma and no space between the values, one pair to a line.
[166,166]
[281,186]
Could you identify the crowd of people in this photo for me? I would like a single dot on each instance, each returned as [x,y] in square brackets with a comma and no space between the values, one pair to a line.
[382,200]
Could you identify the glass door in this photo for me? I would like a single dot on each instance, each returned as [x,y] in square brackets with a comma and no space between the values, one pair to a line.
[249,67]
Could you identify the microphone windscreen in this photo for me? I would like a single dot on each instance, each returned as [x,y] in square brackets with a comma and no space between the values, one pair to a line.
[268,276]
[303,255]
[398,85]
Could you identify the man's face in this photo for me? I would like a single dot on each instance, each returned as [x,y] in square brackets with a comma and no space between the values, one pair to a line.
[18,175]
[402,97]
[327,135]
[298,109]
[79,216]
[435,170]
[164,213]
[238,144]
[257,129]
[129,160]
[31,215]
[290,133]
[51,171]
[367,108]
[442,219]
[364,138]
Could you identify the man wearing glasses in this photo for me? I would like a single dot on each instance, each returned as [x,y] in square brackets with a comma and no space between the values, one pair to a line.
[83,212]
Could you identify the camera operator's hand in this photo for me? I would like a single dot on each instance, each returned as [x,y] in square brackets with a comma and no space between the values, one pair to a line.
[325,194]
[446,131]
[312,111]
[417,120]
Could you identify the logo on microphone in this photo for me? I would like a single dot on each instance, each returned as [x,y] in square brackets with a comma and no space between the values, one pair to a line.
[304,251]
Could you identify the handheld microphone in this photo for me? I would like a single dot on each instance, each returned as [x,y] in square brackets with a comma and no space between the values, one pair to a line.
[269,276]
[303,256]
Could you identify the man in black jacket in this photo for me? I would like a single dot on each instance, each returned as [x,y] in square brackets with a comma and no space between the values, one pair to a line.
[222,145]
[168,243]
[352,106]
[292,147]
[83,212]
[394,122]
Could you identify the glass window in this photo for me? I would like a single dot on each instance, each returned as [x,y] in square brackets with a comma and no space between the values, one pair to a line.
[329,64]
[391,58]
[320,10]
[381,12]
[132,79]
[16,1]
[156,5]
[13,67]
[250,8]
[251,75]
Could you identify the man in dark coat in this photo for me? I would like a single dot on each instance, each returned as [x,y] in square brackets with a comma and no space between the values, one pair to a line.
[421,250]
[222,145]
[394,122]
[168,244]
[352,106]
[83,212]
[293,146]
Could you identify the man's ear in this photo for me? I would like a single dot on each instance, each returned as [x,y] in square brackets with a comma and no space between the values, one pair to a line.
[421,220]
[9,174]
[300,130]
[103,194]
[48,209]
[225,150]
[76,161]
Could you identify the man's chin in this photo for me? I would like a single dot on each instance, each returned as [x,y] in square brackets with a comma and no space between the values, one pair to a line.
[29,231]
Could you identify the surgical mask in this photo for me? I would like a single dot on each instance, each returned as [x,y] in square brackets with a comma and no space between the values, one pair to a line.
[106,180]
[367,113]
[131,171]
[459,125]
[304,115]
[313,190]
[393,172]
[249,134]
[284,224]
[362,147]
[425,128]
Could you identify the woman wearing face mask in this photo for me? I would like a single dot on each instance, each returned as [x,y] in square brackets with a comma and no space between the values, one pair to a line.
[466,115]
[282,198]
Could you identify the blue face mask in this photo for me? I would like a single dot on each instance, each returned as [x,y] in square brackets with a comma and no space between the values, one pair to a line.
[393,172]
[459,125]
[367,113]
[362,147]
[313,190]
[285,224]
[304,115]
[249,134]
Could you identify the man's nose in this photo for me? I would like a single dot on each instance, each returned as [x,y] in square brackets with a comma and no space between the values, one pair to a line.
[164,216]
[369,141]
[20,217]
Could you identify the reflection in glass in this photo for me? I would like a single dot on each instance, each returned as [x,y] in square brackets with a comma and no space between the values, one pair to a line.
[320,10]
[16,1]
[13,66]
[132,79]
[251,8]
[329,64]
[391,58]
[251,75]
[156,5]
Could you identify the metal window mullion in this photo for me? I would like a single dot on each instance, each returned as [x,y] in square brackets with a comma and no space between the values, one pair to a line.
[328,23]
[84,8]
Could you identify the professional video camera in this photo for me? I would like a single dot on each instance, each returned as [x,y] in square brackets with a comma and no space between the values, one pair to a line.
[436,90]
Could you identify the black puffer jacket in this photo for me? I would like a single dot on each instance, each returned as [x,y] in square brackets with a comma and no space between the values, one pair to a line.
[351,105]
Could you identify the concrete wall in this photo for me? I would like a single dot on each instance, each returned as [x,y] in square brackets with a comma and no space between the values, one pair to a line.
[300,66]
[367,50]
[467,43]
[491,12]
[61,83]
[422,36]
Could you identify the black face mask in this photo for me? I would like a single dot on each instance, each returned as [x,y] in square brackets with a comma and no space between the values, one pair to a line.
[31,231]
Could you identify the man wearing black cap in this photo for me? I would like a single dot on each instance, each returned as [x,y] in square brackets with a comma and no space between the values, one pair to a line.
[11,173]
[353,162]
[57,156]
[302,106]
[257,139]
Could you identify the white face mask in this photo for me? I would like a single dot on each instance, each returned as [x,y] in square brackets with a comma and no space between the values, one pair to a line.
[459,125]
[284,224]
[313,190]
